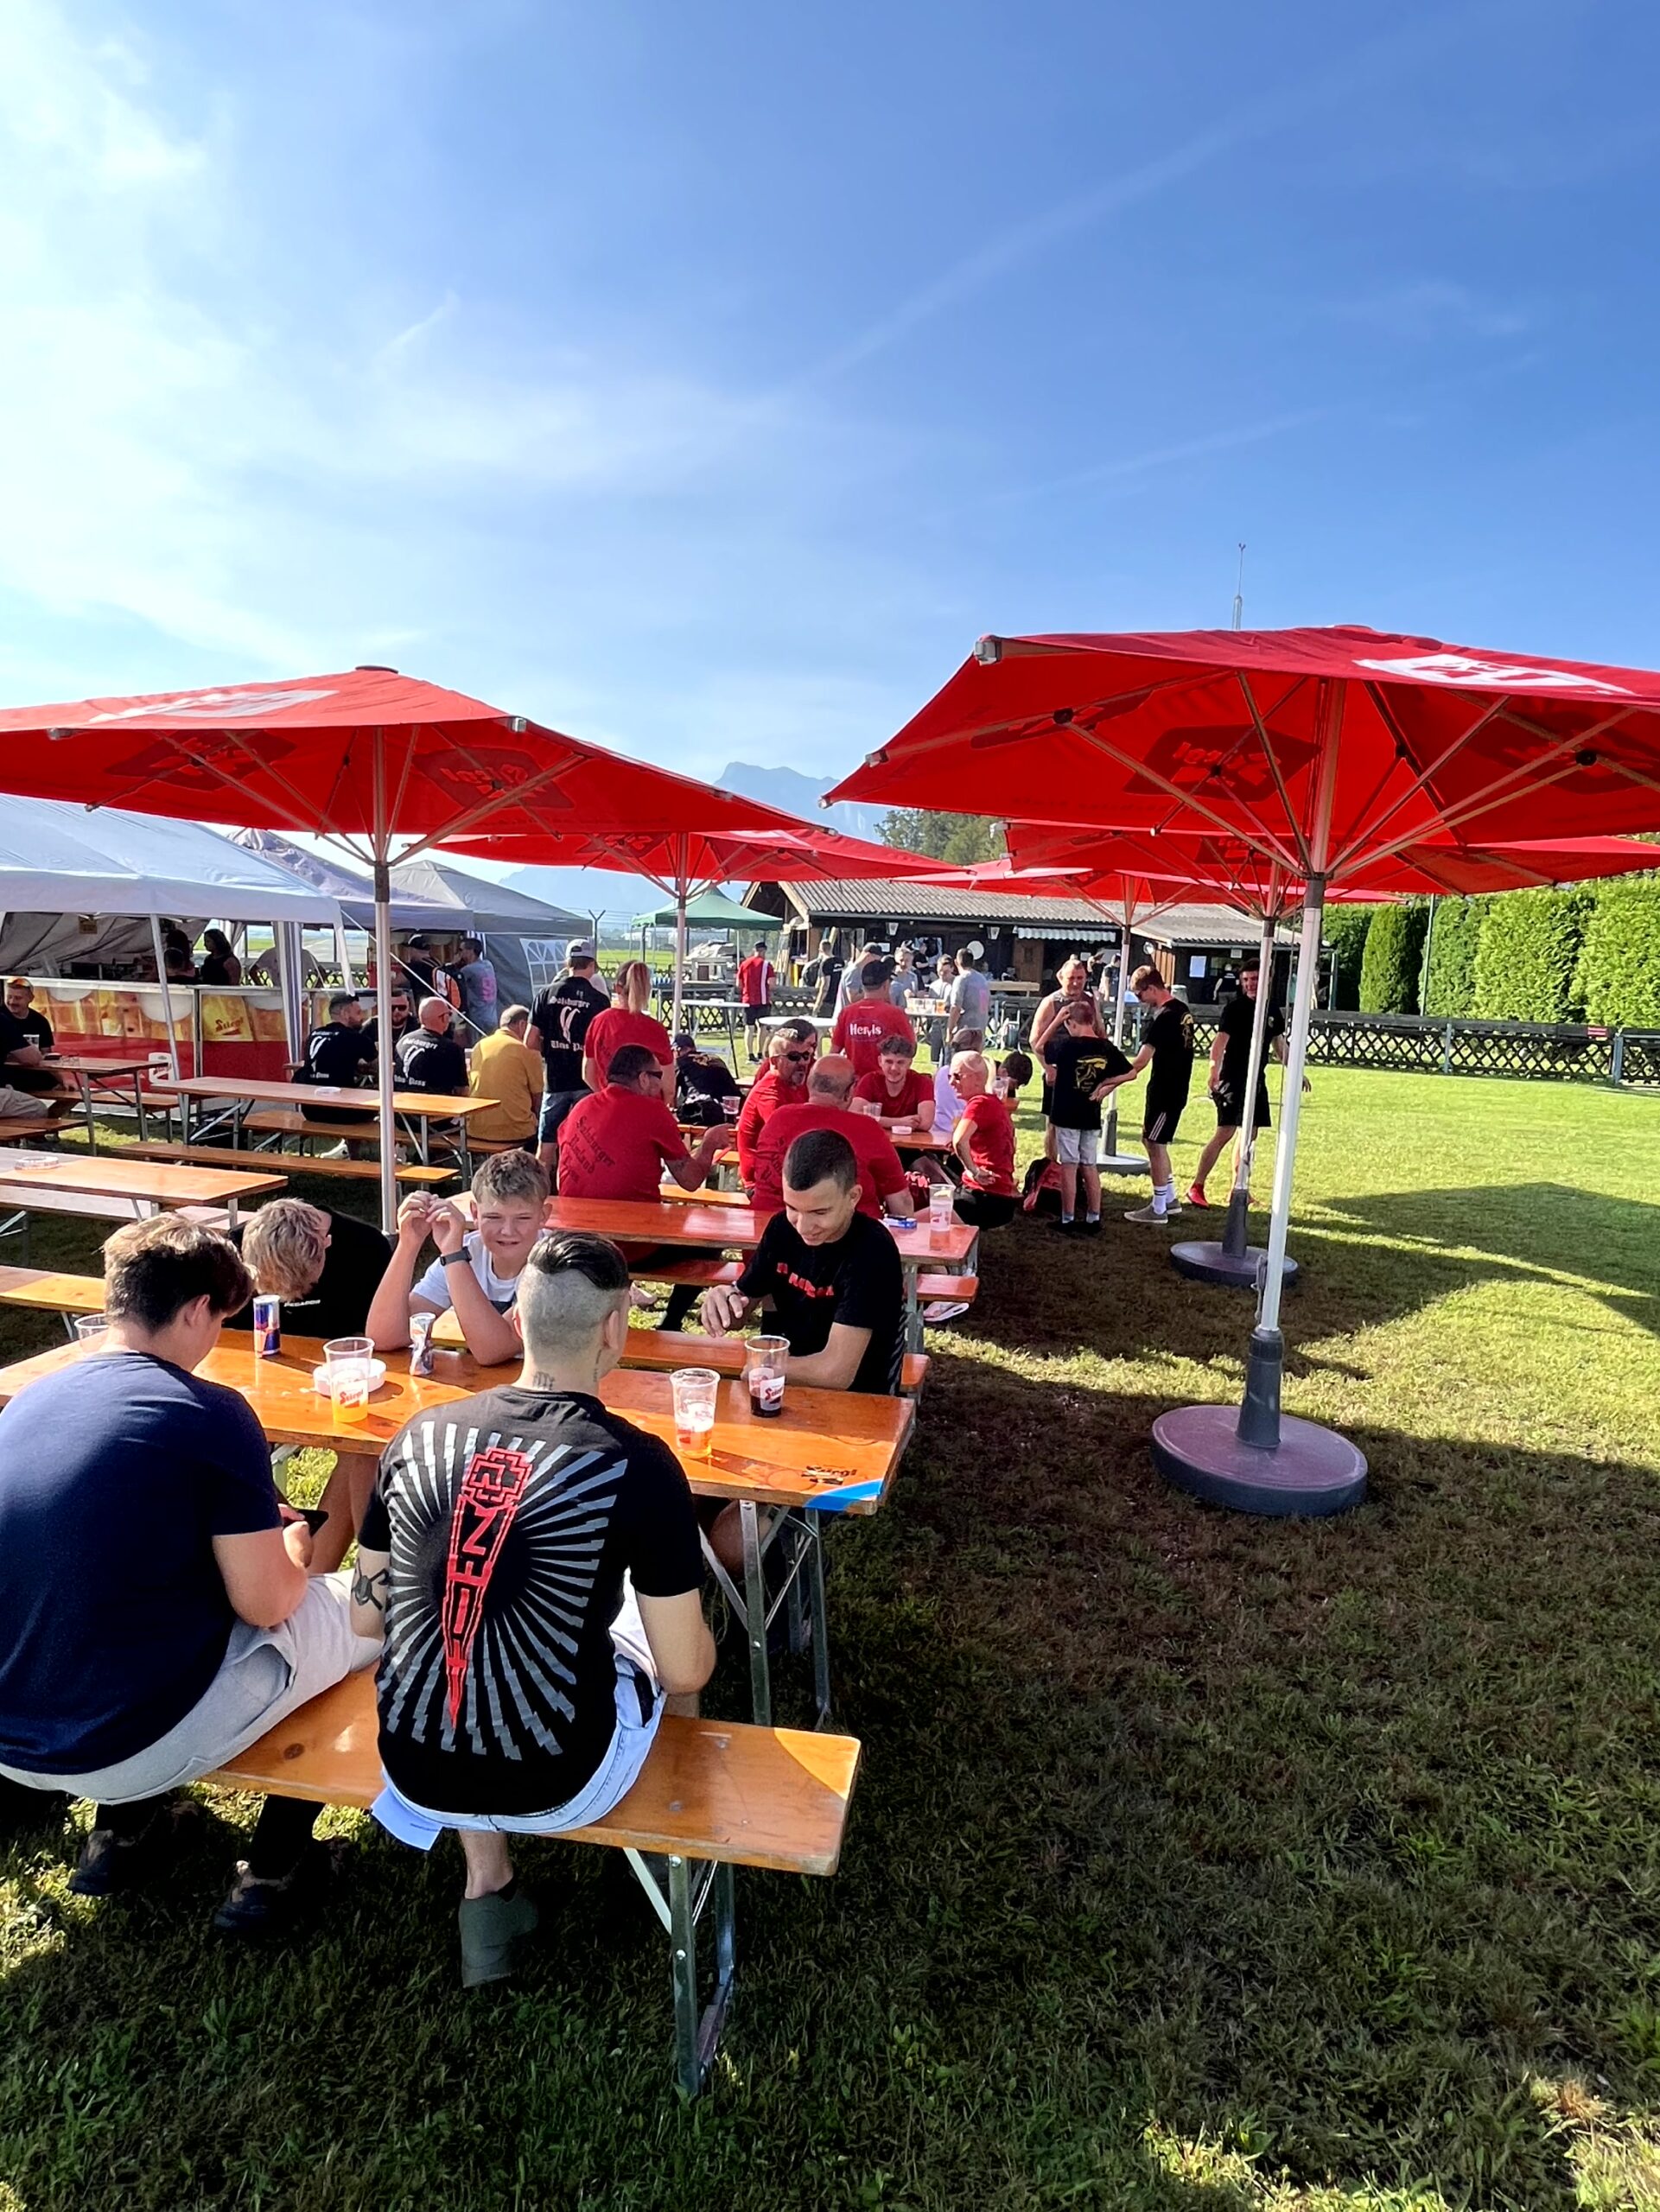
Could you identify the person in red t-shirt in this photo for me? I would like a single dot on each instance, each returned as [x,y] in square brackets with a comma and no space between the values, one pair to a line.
[883,1185]
[864,1022]
[782,1082]
[902,1095]
[616,1144]
[756,992]
[624,1022]
[983,1140]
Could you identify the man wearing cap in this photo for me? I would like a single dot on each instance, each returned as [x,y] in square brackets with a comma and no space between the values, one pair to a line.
[559,1025]
[702,1082]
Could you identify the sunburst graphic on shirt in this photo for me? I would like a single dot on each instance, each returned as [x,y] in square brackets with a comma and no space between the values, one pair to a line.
[465,1668]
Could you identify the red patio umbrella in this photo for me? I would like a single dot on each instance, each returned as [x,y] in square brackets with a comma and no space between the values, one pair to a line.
[682,863]
[1099,864]
[1326,751]
[364,758]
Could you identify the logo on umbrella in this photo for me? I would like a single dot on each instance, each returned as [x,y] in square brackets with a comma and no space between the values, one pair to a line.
[1509,676]
[211,707]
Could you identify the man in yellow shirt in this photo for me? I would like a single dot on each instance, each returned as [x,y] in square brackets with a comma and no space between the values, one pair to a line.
[503,1067]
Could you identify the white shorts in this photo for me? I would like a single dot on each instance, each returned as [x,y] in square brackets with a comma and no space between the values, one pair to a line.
[1077,1148]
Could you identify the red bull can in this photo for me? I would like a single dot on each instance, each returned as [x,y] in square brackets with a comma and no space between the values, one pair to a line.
[267,1327]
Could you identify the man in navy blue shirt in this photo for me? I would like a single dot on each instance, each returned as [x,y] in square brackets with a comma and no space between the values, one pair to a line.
[159,1613]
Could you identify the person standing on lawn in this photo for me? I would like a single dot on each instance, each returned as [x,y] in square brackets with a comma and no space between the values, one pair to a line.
[853,976]
[756,993]
[1168,1051]
[530,1578]
[1082,1060]
[624,1021]
[1230,1068]
[560,1021]
[862,1027]
[971,1005]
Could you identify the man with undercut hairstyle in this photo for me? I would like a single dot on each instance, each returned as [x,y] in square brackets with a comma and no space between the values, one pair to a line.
[532,1564]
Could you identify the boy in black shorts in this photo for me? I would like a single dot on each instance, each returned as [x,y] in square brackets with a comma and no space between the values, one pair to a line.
[1082,1058]
[1167,1049]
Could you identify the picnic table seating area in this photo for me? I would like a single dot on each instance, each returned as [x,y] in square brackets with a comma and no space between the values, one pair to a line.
[713,1794]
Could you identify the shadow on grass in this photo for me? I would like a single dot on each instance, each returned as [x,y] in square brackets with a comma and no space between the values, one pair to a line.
[1189,1850]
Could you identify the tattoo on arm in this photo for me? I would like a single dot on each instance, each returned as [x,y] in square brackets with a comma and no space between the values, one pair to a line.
[370,1590]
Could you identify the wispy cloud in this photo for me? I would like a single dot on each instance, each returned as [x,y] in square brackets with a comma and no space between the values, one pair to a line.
[1435,307]
[1376,62]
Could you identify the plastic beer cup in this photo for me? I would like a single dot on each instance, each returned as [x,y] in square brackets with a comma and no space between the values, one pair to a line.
[695,1390]
[348,1360]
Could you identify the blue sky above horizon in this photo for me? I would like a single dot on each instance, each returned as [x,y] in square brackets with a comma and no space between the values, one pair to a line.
[703,381]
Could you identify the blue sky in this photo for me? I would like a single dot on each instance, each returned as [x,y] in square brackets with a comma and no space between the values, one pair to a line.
[703,379]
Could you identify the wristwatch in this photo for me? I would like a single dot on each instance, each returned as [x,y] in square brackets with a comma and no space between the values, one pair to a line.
[448,1259]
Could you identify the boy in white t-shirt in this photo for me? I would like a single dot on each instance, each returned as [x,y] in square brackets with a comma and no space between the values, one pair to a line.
[477,1270]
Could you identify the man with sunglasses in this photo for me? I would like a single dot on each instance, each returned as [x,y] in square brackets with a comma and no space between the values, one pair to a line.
[782,1082]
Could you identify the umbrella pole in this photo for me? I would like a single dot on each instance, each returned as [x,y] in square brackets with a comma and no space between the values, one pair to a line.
[1255,1460]
[1237,1235]
[167,997]
[383,994]
[679,937]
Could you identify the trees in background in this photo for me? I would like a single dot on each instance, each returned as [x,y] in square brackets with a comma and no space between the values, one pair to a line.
[956,840]
[1619,977]
[1345,930]
[1392,958]
[1528,960]
[1448,986]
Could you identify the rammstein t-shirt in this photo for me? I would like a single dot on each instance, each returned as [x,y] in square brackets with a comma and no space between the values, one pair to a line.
[511,1519]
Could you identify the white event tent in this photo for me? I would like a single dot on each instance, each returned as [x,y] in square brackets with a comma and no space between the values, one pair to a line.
[80,883]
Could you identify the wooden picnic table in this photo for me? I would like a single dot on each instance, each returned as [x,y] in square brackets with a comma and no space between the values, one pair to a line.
[154,1184]
[829,1452]
[113,1073]
[422,1108]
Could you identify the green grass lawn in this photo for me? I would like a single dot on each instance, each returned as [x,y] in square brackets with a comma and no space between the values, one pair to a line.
[1198,1863]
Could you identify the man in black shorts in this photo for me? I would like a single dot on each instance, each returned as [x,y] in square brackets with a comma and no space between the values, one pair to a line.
[1230,1069]
[1167,1050]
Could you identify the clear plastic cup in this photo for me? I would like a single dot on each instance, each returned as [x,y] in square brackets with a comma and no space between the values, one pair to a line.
[348,1360]
[696,1389]
[89,1327]
[764,1365]
[731,1107]
[941,1205]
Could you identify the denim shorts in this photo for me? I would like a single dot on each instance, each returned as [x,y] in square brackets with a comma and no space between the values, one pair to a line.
[639,1708]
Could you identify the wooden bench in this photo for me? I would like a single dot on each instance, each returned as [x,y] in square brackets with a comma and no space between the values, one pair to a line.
[303,1163]
[44,1289]
[965,1288]
[667,1348]
[20,1130]
[91,1207]
[713,1794]
[290,1122]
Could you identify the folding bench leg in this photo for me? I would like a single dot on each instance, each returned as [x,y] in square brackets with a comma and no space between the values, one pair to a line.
[680,1905]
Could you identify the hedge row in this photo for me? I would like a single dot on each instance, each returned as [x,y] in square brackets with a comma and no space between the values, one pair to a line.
[1588,954]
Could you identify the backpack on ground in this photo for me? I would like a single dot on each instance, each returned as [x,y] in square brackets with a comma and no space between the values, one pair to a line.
[1040,1191]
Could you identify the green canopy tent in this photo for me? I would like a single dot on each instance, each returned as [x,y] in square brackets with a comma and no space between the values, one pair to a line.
[710,910]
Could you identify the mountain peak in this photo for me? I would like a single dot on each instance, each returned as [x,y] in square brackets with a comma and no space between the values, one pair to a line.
[798,794]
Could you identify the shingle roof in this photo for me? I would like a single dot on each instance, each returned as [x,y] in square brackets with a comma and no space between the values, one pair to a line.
[900,901]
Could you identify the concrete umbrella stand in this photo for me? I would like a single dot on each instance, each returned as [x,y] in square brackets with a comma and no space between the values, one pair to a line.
[1252,1457]
[1233,1261]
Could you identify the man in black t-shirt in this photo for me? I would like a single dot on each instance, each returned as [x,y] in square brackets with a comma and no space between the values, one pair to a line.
[559,1023]
[403,1021]
[25,1038]
[521,1683]
[339,1054]
[1084,1058]
[1168,1051]
[830,1274]
[1230,1070]
[429,1058]
[701,1082]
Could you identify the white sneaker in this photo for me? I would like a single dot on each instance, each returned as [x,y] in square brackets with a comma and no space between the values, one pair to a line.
[340,1151]
[944,1309]
[1147,1213]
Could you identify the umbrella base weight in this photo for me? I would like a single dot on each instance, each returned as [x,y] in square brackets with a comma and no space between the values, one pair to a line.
[1121,1163]
[1314,1470]
[1212,1262]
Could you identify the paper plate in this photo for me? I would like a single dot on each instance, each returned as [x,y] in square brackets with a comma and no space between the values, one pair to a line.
[319,1377]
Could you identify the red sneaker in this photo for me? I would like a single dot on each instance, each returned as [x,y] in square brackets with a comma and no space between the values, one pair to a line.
[1196,1195]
